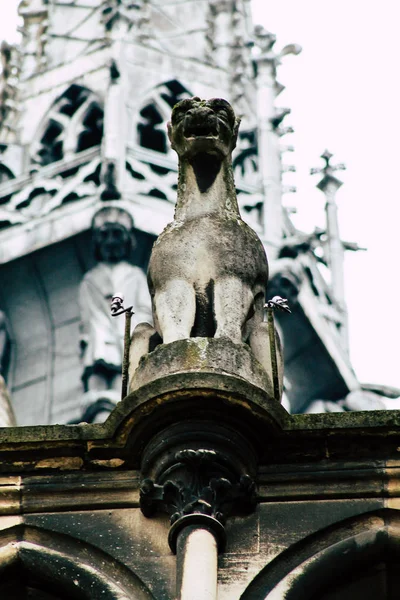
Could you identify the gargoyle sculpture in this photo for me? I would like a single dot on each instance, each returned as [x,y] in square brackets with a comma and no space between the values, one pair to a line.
[208,269]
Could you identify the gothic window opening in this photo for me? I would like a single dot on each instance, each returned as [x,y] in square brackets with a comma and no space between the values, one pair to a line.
[152,127]
[93,128]
[94,177]
[155,174]
[72,99]
[158,194]
[245,162]
[51,143]
[74,123]
[151,134]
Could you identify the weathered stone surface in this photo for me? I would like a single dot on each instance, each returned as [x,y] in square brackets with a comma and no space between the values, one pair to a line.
[208,269]
[202,355]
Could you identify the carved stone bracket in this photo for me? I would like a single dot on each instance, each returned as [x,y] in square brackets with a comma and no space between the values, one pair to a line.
[205,487]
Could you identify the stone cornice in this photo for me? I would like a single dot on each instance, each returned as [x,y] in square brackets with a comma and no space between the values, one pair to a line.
[107,485]
[288,439]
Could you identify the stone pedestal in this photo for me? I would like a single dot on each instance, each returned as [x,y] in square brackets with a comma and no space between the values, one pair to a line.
[202,355]
[201,380]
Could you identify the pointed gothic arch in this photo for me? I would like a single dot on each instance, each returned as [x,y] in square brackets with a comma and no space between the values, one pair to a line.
[73,123]
[341,561]
[58,567]
[5,173]
[155,112]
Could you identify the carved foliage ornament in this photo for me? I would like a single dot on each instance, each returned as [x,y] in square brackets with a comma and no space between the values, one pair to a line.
[9,77]
[203,491]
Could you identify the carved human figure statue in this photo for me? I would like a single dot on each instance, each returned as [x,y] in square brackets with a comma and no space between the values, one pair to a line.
[102,335]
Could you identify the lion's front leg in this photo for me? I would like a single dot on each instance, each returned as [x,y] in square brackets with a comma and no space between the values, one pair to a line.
[141,344]
[175,306]
[232,302]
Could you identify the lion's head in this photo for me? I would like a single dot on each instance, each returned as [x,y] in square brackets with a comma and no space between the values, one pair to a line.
[203,127]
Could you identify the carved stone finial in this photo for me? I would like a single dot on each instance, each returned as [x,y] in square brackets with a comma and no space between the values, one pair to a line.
[9,80]
[327,171]
[264,39]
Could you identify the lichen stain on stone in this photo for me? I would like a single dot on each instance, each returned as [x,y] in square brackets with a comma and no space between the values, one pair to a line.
[192,356]
[111,463]
[61,462]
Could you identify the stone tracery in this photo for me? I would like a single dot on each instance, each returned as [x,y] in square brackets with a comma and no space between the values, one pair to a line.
[74,123]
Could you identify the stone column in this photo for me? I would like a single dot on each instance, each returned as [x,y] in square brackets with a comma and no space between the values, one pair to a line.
[269,152]
[7,417]
[197,564]
[221,12]
[269,156]
[113,145]
[123,24]
[329,185]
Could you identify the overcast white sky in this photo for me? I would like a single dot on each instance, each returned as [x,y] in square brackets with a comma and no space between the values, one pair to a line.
[344,92]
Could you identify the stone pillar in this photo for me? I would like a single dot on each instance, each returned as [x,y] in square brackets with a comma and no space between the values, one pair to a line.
[197,564]
[7,418]
[329,185]
[269,152]
[269,157]
[124,23]
[113,145]
[221,12]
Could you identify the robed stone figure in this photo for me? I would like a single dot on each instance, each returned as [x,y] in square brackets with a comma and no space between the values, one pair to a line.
[102,335]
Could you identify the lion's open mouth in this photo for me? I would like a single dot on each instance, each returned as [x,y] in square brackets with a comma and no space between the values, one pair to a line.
[205,130]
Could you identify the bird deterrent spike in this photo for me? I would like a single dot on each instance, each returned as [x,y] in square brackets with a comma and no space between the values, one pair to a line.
[271,305]
[117,308]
